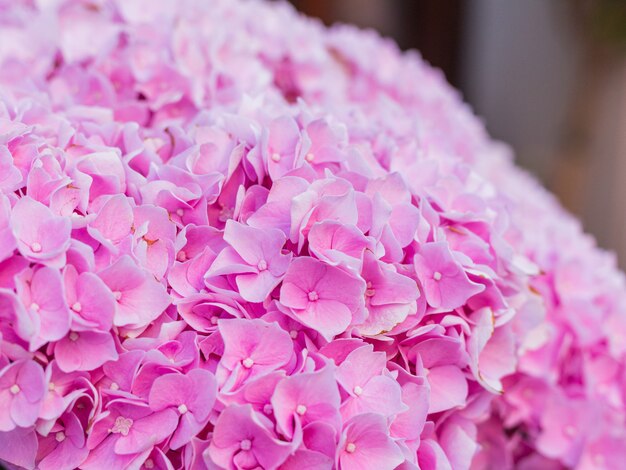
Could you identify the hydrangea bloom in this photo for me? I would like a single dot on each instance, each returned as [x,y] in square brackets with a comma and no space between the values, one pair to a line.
[233,238]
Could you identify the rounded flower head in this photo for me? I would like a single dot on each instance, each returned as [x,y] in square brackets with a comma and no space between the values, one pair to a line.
[232,238]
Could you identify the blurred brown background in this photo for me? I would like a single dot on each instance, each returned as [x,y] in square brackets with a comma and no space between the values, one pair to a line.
[548,77]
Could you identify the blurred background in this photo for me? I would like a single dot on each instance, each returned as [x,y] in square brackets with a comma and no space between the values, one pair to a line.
[547,77]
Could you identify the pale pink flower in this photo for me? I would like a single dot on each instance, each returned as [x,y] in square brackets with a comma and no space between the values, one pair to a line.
[41,292]
[362,375]
[389,296]
[140,298]
[444,280]
[323,297]
[282,147]
[7,239]
[251,348]
[41,235]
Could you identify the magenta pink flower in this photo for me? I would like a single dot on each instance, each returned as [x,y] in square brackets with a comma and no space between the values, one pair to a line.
[127,433]
[415,394]
[19,447]
[63,390]
[84,350]
[254,257]
[21,322]
[243,438]
[7,239]
[306,398]
[365,444]
[192,395]
[92,304]
[22,389]
[323,297]
[439,358]
[275,213]
[64,446]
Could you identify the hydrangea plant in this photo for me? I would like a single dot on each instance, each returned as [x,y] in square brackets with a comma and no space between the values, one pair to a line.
[231,238]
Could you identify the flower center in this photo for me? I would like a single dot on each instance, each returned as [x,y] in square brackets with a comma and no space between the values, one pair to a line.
[301,409]
[15,389]
[214,319]
[114,386]
[225,214]
[246,444]
[309,157]
[77,307]
[122,426]
[350,447]
[358,391]
[276,157]
[262,265]
[179,212]
[181,256]
[35,306]
[569,431]
[437,276]
[313,296]
[117,294]
[51,386]
[73,336]
[60,436]
[293,334]
[148,463]
[182,409]
[268,409]
[36,247]
[248,362]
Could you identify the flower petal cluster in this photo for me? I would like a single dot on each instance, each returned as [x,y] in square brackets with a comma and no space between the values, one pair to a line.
[232,238]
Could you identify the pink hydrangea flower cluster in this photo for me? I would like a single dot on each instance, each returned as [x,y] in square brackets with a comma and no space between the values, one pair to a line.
[231,238]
